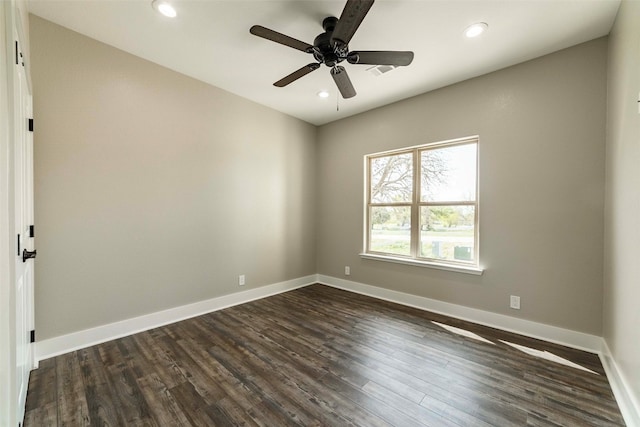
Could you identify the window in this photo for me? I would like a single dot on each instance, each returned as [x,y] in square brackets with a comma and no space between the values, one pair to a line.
[422,203]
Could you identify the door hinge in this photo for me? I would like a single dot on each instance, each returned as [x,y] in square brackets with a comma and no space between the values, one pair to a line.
[32,231]
[30,125]
[19,56]
[32,336]
[18,245]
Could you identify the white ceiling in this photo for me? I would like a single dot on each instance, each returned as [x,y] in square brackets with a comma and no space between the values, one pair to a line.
[210,41]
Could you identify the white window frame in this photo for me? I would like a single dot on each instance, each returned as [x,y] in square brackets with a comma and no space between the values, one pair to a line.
[415,206]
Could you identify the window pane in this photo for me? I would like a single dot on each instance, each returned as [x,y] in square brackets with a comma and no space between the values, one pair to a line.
[390,229]
[448,174]
[447,232]
[392,178]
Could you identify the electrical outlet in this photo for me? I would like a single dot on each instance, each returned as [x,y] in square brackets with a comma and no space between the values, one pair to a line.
[347,270]
[515,302]
[241,280]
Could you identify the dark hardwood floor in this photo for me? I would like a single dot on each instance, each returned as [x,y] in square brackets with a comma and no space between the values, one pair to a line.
[318,356]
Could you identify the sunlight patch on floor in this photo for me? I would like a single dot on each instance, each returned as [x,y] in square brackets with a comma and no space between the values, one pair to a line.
[462,332]
[547,356]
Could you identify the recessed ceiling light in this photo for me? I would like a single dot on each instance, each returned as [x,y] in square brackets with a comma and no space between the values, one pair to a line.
[164,8]
[323,94]
[476,29]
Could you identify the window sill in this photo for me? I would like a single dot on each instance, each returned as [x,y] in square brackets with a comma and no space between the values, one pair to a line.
[456,268]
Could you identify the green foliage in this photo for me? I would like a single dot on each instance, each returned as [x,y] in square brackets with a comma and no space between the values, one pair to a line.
[380,216]
[446,215]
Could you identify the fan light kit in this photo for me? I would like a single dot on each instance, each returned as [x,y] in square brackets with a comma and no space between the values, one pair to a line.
[332,47]
[323,94]
[476,29]
[164,8]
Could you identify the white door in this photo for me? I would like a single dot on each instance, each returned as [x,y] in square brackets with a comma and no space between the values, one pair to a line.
[24,241]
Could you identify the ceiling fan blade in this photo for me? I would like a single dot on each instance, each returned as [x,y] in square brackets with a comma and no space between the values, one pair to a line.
[381,57]
[296,75]
[274,36]
[352,15]
[343,82]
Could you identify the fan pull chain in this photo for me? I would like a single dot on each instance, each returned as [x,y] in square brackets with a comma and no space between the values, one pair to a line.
[337,102]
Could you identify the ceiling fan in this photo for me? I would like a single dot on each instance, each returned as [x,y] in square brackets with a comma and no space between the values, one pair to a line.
[332,47]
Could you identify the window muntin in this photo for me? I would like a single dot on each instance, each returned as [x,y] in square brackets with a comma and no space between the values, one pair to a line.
[431,215]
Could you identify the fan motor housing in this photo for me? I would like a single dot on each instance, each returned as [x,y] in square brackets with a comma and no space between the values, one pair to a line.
[324,51]
[329,23]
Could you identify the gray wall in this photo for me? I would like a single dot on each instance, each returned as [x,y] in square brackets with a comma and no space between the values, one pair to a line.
[622,232]
[154,190]
[542,142]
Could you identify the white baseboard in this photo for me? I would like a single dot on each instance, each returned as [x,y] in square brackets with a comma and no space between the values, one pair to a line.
[629,405]
[541,331]
[65,343]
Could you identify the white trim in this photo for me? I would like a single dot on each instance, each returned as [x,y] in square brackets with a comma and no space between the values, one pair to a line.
[7,258]
[433,144]
[529,328]
[416,204]
[628,403]
[456,268]
[65,343]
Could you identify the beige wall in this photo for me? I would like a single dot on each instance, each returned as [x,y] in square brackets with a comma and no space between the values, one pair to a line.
[542,133]
[154,190]
[622,230]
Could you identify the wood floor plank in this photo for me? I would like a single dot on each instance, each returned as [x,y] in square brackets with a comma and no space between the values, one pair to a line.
[274,387]
[227,385]
[46,415]
[72,401]
[377,407]
[155,360]
[132,406]
[195,373]
[319,356]
[162,405]
[42,386]
[193,405]
[235,413]
[420,413]
[101,398]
